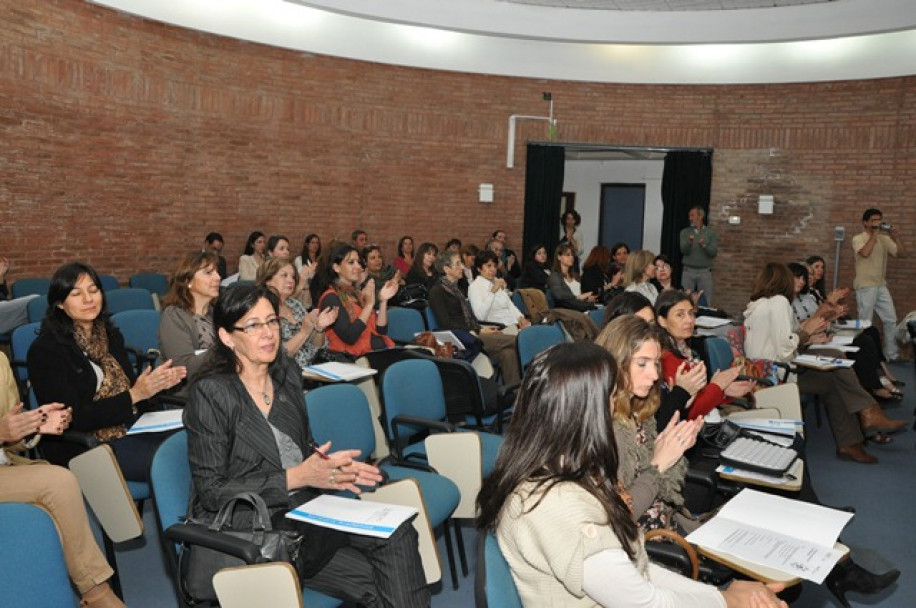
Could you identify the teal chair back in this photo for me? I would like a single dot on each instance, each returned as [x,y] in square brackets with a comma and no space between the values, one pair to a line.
[140,328]
[720,354]
[36,308]
[536,338]
[404,324]
[494,586]
[130,298]
[20,342]
[412,388]
[153,282]
[32,561]
[432,323]
[28,286]
[340,413]
[109,282]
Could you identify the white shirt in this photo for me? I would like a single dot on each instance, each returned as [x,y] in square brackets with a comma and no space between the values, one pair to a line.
[492,307]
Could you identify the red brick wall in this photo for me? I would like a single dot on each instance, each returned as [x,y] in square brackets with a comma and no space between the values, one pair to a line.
[125,141]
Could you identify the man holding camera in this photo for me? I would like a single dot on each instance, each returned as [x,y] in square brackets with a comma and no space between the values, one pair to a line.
[872,247]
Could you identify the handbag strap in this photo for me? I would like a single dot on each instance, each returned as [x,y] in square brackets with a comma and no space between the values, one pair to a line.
[261,519]
[663,533]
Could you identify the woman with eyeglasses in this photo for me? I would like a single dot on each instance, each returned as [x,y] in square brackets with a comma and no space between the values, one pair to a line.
[359,328]
[248,431]
[79,359]
[558,509]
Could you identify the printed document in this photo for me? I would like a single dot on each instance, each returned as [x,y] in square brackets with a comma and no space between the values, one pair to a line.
[157,422]
[337,372]
[355,516]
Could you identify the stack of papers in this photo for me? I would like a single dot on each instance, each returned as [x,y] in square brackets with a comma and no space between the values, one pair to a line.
[354,516]
[819,362]
[338,372]
[791,536]
[157,422]
[445,337]
[711,322]
[779,426]
[852,324]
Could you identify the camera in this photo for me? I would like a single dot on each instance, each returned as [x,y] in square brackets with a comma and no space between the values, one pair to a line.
[884,226]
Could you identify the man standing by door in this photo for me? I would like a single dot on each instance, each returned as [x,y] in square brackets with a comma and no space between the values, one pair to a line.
[872,247]
[699,246]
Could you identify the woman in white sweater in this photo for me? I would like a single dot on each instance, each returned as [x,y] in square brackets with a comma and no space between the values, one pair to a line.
[489,298]
[554,504]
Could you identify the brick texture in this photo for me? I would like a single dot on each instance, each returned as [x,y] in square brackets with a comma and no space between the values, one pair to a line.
[125,141]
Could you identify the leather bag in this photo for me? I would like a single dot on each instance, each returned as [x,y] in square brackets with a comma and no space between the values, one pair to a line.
[198,564]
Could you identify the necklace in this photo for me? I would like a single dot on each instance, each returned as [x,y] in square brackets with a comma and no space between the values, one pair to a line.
[264,394]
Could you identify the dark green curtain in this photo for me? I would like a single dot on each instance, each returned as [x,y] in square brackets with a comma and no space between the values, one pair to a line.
[543,189]
[686,183]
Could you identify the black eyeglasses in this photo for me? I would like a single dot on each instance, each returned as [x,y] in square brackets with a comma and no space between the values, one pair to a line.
[253,328]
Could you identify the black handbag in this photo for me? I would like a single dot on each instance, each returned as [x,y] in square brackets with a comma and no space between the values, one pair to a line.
[198,564]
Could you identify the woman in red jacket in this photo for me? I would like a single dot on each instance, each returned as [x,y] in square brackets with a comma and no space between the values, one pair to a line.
[675,316]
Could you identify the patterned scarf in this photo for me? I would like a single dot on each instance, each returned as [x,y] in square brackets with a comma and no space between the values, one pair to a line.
[469,318]
[114,380]
[348,295]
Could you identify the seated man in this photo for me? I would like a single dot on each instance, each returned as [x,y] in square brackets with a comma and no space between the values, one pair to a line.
[214,242]
[13,313]
[453,311]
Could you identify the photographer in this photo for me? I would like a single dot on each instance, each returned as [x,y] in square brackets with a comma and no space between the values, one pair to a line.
[872,247]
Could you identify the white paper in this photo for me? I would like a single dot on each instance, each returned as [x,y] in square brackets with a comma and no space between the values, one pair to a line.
[711,322]
[781,426]
[789,535]
[157,422]
[355,516]
[819,361]
[446,337]
[339,372]
[852,324]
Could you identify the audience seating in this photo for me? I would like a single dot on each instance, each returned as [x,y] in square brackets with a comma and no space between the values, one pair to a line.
[28,286]
[519,302]
[20,343]
[273,584]
[471,399]
[120,300]
[432,324]
[536,338]
[153,282]
[494,587]
[404,324]
[32,560]
[36,308]
[140,329]
[340,413]
[109,282]
[170,478]
[597,316]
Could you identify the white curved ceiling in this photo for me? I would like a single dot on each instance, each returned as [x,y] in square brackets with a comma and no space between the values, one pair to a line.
[793,41]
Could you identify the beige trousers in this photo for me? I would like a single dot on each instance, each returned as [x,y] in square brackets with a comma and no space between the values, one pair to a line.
[55,490]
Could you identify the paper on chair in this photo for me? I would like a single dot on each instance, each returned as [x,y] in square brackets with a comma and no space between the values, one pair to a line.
[789,535]
[157,422]
[711,322]
[822,362]
[355,516]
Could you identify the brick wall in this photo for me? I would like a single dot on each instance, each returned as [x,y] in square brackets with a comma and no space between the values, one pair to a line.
[125,141]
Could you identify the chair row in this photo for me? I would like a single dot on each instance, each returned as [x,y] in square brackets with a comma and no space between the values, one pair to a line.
[153,282]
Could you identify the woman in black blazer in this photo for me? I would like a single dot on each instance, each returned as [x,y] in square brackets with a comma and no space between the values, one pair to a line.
[79,359]
[248,431]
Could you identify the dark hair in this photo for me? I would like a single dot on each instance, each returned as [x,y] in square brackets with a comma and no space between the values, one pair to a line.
[562,249]
[365,255]
[820,285]
[599,256]
[533,252]
[57,322]
[401,244]
[799,270]
[572,212]
[616,247]
[304,254]
[662,257]
[232,304]
[274,240]
[562,432]
[871,211]
[325,275]
[483,256]
[453,241]
[356,233]
[667,300]
[249,244]
[421,253]
[180,284]
[774,280]
[626,303]
[214,236]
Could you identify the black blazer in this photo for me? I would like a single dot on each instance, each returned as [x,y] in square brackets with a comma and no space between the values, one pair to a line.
[59,371]
[232,449]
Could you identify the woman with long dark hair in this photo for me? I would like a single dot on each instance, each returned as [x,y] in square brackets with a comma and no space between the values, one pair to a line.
[404,260]
[535,272]
[79,359]
[564,282]
[600,275]
[359,328]
[556,505]
[423,270]
[255,253]
[248,431]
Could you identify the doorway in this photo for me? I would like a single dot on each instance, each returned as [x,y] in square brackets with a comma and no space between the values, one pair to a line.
[621,217]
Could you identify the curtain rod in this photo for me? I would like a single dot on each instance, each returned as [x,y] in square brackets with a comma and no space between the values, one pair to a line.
[592,146]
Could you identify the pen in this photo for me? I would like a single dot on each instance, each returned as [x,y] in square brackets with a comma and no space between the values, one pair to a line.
[314,447]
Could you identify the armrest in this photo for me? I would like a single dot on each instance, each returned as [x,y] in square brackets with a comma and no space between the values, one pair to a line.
[86,440]
[427,423]
[197,534]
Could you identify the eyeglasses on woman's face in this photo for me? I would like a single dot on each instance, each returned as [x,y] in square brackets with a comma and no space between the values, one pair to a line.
[253,327]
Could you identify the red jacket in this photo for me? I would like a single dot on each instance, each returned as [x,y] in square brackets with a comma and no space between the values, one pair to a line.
[709,397]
